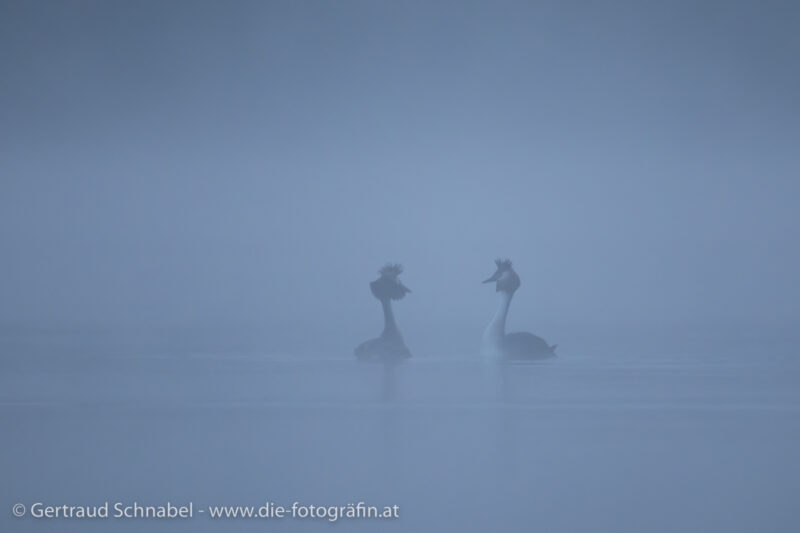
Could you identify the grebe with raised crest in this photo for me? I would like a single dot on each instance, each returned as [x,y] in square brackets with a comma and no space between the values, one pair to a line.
[496,342]
[390,345]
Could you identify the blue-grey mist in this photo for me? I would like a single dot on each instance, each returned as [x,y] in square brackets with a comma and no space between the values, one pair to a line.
[194,197]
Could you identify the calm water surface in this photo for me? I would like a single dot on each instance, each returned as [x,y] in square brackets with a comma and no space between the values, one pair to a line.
[615,442]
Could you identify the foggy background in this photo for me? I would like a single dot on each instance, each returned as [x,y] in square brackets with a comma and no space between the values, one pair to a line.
[194,197]
[240,170]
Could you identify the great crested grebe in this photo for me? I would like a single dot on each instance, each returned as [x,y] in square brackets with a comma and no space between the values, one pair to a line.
[390,344]
[496,343]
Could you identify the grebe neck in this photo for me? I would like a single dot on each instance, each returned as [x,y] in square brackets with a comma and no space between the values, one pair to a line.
[496,330]
[389,324]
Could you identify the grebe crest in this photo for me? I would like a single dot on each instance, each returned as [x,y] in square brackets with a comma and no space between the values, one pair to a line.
[388,286]
[505,278]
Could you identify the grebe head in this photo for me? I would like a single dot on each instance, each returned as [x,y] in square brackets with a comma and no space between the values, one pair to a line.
[507,280]
[389,286]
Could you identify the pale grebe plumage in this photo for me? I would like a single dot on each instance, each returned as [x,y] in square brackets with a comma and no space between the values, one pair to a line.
[496,343]
[390,344]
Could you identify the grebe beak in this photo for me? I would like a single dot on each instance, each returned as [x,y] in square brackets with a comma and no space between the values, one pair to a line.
[493,278]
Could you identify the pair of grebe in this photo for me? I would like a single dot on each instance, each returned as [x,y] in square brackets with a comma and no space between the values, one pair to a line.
[496,342]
